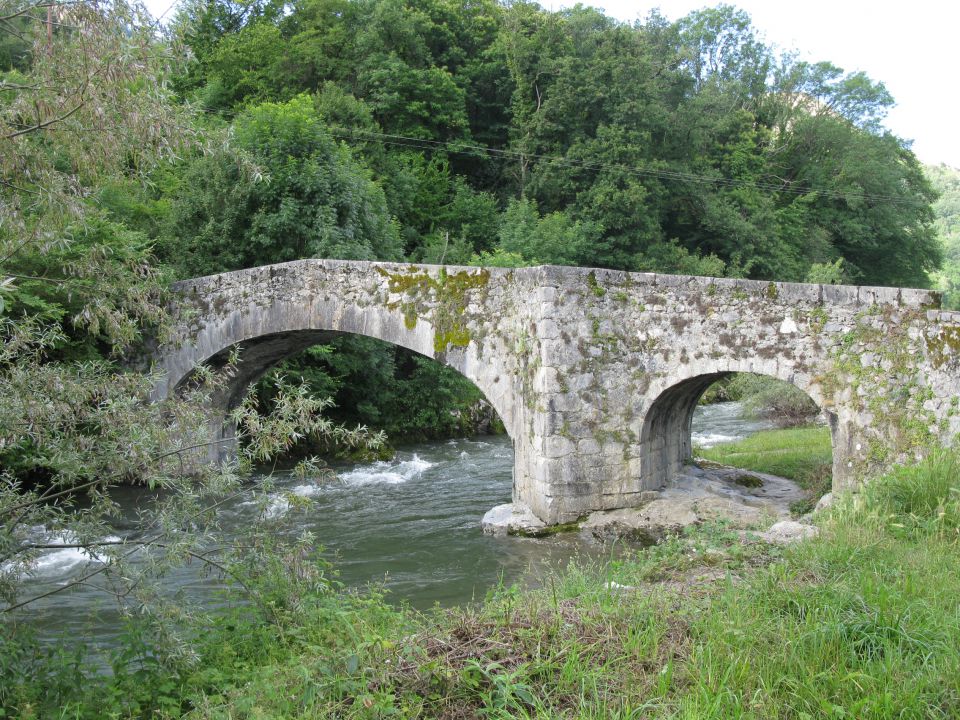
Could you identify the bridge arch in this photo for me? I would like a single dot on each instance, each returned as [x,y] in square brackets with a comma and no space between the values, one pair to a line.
[666,430]
[291,332]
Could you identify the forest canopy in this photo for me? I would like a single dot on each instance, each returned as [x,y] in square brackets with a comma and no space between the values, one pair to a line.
[678,147]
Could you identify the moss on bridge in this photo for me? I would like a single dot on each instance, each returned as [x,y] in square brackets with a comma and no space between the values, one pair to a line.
[442,300]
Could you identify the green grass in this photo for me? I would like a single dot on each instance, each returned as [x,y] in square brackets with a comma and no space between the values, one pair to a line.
[863,622]
[801,454]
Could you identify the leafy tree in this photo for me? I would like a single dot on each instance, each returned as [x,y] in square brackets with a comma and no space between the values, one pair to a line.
[826,273]
[551,240]
[720,49]
[692,134]
[672,257]
[823,89]
[81,115]
[106,304]
[202,25]
[75,286]
[946,182]
[79,288]
[306,197]
[464,225]
[869,198]
[242,68]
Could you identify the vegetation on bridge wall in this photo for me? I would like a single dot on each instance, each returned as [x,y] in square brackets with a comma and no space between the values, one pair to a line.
[442,299]
[878,363]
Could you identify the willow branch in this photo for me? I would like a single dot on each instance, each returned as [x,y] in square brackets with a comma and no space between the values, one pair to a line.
[45,123]
[83,579]
[26,10]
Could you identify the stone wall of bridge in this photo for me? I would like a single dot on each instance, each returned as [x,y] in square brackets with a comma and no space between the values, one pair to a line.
[596,373]
[627,356]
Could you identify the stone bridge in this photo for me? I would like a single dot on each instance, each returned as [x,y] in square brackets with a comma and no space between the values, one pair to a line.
[596,373]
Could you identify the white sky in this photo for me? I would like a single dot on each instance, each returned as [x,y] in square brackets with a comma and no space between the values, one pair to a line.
[911,47]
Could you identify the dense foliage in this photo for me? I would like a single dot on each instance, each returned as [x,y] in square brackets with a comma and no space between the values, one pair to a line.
[946,181]
[642,146]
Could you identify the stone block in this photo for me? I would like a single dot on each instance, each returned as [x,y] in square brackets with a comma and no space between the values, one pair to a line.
[673,281]
[564,403]
[588,446]
[839,294]
[547,294]
[557,446]
[547,380]
[798,294]
[878,296]
[581,381]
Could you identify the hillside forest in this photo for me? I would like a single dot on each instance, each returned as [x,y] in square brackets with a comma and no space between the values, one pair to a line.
[435,131]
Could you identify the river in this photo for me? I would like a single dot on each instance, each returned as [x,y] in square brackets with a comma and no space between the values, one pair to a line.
[411,523]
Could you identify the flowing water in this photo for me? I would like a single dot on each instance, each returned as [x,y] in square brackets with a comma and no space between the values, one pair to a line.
[411,523]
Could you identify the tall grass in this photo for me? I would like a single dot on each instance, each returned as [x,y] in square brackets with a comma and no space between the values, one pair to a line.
[918,500]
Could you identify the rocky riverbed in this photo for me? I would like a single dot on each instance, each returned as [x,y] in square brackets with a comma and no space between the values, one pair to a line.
[702,492]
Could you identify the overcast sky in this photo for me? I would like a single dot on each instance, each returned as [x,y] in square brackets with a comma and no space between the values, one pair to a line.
[911,47]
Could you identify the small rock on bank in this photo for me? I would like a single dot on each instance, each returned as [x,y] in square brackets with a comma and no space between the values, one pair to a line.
[511,519]
[825,502]
[789,531]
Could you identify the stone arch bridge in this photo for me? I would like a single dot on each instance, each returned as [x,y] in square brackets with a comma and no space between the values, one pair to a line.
[596,373]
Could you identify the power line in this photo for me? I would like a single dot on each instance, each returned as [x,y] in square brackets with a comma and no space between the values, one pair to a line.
[473,150]
[164,13]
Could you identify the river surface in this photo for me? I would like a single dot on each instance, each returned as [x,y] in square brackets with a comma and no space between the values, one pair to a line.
[411,524]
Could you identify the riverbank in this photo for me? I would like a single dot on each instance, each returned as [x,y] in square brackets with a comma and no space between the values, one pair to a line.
[863,621]
[860,623]
[801,454]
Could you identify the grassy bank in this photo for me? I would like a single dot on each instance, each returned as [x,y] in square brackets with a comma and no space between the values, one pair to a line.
[863,622]
[802,454]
